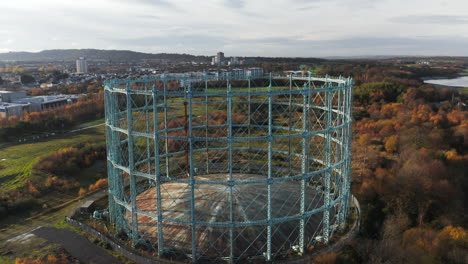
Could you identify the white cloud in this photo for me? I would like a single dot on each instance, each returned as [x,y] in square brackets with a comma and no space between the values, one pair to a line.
[240,27]
[431,19]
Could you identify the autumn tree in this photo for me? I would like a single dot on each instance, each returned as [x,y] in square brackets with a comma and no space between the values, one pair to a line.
[37,91]
[391,143]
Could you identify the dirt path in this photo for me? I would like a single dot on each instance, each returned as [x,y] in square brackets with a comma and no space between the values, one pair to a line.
[76,245]
[84,128]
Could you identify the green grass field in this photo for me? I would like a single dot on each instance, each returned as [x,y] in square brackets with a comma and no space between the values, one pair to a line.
[16,161]
[16,165]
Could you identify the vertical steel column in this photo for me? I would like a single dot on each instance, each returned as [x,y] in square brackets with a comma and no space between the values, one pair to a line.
[111,153]
[148,149]
[342,106]
[346,157]
[231,180]
[326,214]
[249,123]
[347,146]
[157,171]
[270,169]
[166,147]
[131,164]
[191,175]
[206,126]
[337,122]
[116,157]
[304,166]
[110,167]
[290,123]
[349,84]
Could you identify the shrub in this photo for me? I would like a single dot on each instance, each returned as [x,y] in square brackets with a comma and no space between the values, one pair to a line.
[100,184]
[82,192]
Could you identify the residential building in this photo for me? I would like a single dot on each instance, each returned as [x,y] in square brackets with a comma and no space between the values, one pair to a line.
[219,57]
[81,65]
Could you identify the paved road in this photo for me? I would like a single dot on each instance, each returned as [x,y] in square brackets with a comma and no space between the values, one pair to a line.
[76,245]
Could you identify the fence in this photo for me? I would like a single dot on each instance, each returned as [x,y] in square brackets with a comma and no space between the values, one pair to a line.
[122,249]
[130,253]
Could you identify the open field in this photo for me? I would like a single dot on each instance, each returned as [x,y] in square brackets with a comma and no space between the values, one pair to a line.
[16,161]
[16,167]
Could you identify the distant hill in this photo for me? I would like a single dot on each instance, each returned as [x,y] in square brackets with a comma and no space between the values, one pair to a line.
[95,54]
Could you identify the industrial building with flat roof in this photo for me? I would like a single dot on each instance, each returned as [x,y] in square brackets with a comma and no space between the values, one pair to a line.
[8,109]
[8,96]
[16,103]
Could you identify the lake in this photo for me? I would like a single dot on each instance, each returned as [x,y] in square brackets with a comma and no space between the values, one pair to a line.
[456,82]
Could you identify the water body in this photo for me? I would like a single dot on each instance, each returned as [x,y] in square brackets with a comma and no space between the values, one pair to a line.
[456,82]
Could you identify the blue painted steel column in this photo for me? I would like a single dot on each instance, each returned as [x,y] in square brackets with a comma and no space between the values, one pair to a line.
[166,147]
[131,165]
[343,104]
[326,214]
[249,123]
[345,202]
[303,166]
[116,157]
[147,119]
[231,180]
[191,175]
[206,125]
[112,158]
[157,172]
[349,138]
[290,125]
[110,167]
[270,169]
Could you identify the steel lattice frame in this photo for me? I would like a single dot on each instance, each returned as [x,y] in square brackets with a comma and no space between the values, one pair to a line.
[285,129]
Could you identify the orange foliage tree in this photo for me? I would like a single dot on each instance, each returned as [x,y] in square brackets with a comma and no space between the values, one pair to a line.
[391,143]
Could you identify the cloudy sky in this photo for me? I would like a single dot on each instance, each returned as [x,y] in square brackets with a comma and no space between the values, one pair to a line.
[310,28]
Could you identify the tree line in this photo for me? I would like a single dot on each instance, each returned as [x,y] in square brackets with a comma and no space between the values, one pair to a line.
[54,173]
[409,169]
[87,108]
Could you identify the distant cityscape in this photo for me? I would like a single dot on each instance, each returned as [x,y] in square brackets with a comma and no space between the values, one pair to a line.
[18,80]
[220,60]
[25,75]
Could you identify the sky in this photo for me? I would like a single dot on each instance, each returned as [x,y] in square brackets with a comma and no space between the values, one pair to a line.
[274,28]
